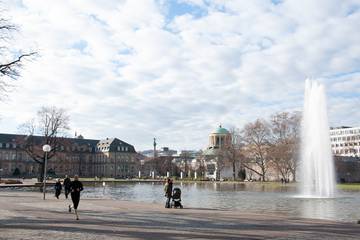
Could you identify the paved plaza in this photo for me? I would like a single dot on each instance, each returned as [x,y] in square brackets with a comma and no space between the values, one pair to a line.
[24,215]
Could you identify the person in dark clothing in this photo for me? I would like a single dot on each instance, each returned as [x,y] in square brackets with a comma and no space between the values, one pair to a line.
[168,191]
[58,188]
[67,183]
[75,188]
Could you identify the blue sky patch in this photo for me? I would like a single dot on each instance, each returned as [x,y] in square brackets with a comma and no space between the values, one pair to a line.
[80,45]
[179,8]
[276,2]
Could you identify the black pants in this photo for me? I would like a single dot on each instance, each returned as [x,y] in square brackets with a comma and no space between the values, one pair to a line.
[75,197]
[57,193]
[67,191]
[168,200]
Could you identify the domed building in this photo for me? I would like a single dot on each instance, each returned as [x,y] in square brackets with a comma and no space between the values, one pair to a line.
[217,166]
[219,139]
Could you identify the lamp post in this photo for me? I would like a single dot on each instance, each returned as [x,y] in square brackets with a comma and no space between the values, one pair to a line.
[46,148]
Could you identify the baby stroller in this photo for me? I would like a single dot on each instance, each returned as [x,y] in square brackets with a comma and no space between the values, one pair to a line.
[176,198]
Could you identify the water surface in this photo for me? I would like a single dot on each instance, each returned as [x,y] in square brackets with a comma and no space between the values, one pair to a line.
[249,197]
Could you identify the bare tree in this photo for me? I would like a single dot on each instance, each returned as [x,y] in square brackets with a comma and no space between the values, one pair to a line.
[202,163]
[256,138]
[285,128]
[232,151]
[49,127]
[186,157]
[10,63]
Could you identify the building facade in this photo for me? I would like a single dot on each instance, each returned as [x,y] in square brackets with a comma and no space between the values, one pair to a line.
[85,157]
[345,141]
[216,165]
[115,158]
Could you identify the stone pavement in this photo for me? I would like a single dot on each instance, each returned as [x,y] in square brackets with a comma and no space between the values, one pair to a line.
[24,215]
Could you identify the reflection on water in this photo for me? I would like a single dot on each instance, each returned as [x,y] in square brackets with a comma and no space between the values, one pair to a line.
[246,197]
[318,208]
[257,198]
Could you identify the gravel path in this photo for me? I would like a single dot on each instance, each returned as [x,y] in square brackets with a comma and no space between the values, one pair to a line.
[24,215]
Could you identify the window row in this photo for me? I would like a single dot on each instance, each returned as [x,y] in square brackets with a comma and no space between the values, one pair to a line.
[348,138]
[7,145]
[346,144]
[342,132]
[119,148]
[346,151]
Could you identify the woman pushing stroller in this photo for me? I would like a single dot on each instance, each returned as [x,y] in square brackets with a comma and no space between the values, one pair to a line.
[168,192]
[174,194]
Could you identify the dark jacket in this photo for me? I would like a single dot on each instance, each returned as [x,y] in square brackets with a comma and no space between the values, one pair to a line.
[76,186]
[58,186]
[67,183]
[168,189]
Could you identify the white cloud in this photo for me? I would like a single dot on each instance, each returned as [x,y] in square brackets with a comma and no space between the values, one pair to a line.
[123,69]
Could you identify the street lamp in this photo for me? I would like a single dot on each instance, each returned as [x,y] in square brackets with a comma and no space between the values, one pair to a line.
[46,148]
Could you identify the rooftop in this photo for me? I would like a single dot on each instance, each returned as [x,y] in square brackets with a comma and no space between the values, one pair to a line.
[220,130]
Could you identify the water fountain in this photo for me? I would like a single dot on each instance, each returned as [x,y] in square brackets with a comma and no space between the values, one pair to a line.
[317,165]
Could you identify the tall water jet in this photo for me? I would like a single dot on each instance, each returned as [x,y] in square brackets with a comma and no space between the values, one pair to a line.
[317,165]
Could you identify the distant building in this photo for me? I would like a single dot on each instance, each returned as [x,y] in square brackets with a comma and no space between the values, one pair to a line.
[165,151]
[115,158]
[216,165]
[148,153]
[188,162]
[160,165]
[86,157]
[347,169]
[345,141]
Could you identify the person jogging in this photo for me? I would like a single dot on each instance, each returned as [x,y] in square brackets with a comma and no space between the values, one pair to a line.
[67,183]
[75,188]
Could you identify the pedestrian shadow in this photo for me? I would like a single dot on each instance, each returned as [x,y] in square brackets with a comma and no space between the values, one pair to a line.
[199,223]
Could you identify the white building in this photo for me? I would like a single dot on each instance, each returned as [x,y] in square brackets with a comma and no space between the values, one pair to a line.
[216,165]
[345,141]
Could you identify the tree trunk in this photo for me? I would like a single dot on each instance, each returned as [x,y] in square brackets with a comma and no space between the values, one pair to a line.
[41,172]
[234,171]
[294,176]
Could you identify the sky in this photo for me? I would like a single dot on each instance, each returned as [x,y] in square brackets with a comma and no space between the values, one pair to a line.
[176,69]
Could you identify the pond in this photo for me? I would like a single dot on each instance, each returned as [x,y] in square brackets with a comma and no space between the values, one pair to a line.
[246,197]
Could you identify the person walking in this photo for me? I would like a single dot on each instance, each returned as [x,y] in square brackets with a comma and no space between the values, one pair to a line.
[58,188]
[75,188]
[168,191]
[67,183]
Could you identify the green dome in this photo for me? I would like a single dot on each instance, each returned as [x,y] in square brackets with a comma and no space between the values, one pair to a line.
[220,130]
